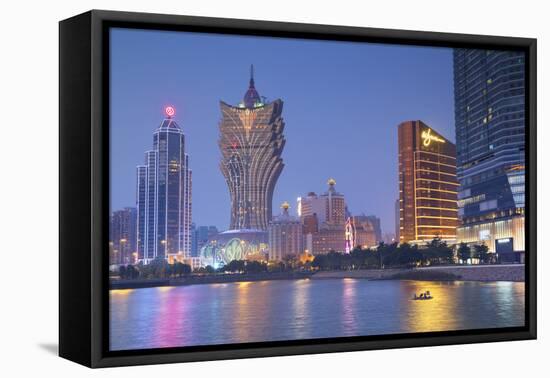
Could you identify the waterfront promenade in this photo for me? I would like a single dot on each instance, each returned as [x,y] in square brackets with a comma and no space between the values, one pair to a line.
[483,273]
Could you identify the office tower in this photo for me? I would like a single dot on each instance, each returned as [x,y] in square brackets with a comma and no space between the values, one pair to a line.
[427,184]
[312,206]
[194,249]
[164,196]
[335,205]
[122,236]
[324,220]
[489,89]
[374,226]
[363,231]
[200,236]
[329,238]
[251,143]
[285,235]
[329,207]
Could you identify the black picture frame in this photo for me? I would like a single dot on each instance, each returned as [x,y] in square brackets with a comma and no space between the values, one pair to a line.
[84,189]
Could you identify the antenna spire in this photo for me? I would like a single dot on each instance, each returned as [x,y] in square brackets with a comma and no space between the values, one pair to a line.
[251,76]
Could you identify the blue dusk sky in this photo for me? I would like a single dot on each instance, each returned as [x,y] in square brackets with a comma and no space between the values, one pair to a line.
[342,104]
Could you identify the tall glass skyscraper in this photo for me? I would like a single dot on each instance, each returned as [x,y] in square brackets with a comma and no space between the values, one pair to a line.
[251,142]
[489,91]
[164,196]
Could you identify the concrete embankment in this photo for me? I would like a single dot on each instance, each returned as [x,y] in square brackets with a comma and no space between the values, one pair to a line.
[207,279]
[514,272]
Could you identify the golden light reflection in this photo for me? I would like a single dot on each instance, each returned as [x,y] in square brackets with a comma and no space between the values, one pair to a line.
[120,291]
[244,285]
[436,314]
[164,288]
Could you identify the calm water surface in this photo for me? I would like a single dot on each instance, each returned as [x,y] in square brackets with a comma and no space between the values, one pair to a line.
[303,309]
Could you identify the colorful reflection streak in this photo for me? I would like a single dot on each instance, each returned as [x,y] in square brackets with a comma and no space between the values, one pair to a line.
[301,309]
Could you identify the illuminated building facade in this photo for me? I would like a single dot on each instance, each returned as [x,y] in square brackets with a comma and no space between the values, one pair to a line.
[310,224]
[245,244]
[285,235]
[427,184]
[200,236]
[397,214]
[362,231]
[490,133]
[329,207]
[324,220]
[312,206]
[335,205]
[351,233]
[122,236]
[164,196]
[251,143]
[329,238]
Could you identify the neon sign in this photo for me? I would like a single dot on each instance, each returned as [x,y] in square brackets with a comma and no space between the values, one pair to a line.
[350,235]
[427,138]
[170,111]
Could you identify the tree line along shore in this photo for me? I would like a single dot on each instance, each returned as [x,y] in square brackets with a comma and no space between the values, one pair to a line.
[435,261]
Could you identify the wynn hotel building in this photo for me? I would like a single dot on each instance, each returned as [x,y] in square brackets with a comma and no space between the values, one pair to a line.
[427,184]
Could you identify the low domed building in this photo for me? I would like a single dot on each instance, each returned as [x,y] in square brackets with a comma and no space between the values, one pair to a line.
[244,244]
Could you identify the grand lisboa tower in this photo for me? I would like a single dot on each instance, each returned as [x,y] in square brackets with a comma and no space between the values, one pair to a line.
[251,142]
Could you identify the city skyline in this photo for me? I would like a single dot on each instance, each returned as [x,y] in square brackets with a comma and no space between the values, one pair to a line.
[350,140]
[310,157]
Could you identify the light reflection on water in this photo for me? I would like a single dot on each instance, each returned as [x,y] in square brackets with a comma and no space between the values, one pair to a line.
[286,310]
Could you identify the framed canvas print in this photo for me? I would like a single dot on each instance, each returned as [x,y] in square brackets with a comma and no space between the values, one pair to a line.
[234,188]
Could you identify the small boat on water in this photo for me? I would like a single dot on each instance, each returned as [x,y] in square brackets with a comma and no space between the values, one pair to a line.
[423,296]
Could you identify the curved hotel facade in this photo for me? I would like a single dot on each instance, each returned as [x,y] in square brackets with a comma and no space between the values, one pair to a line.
[490,132]
[251,143]
[427,184]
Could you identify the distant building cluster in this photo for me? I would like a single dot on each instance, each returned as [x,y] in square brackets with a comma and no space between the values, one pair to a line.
[471,192]
[123,236]
[328,225]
